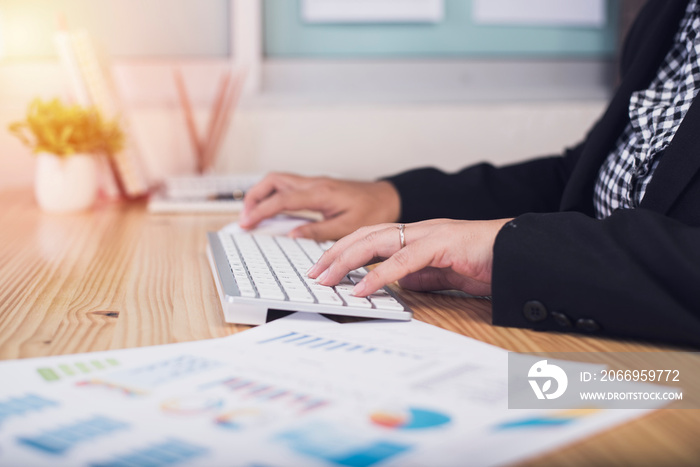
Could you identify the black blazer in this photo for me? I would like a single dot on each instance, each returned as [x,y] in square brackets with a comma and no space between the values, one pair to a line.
[634,274]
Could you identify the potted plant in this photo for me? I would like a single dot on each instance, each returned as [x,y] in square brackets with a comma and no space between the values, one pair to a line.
[66,140]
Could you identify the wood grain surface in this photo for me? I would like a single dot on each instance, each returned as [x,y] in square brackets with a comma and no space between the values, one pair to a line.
[117,277]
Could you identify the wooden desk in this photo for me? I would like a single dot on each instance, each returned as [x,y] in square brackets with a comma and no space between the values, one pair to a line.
[118,277]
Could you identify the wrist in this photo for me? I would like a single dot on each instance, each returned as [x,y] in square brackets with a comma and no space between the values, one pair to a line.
[390,200]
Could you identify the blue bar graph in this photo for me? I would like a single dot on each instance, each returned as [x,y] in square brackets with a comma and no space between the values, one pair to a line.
[59,440]
[338,446]
[303,336]
[170,452]
[322,344]
[342,344]
[16,406]
[290,334]
[330,345]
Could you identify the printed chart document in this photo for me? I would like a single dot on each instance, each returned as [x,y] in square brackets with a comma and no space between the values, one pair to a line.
[302,390]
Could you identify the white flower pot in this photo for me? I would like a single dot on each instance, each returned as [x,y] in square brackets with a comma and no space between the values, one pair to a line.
[65,184]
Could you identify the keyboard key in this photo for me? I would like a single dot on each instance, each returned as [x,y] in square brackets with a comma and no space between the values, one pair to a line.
[356,275]
[248,292]
[311,248]
[344,289]
[385,303]
[298,296]
[329,298]
[351,300]
[271,294]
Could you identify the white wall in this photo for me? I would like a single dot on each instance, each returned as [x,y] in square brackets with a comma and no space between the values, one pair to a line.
[370,141]
[349,141]
[359,140]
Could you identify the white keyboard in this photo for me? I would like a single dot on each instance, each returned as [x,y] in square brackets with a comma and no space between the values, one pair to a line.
[258,273]
[194,193]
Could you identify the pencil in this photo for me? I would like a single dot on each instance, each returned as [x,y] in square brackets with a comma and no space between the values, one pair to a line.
[223,119]
[216,115]
[189,119]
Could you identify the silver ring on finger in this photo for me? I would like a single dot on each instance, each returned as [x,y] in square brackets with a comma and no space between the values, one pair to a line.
[402,235]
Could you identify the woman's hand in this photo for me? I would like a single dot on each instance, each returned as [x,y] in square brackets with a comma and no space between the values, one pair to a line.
[345,205]
[439,254]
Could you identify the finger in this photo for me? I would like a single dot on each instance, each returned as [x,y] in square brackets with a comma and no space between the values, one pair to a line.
[382,243]
[270,184]
[330,255]
[405,261]
[283,201]
[261,190]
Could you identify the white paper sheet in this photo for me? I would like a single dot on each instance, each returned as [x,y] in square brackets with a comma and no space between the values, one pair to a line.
[369,11]
[583,13]
[302,390]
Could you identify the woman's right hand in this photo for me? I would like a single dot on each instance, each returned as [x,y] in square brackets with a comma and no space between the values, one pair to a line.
[345,205]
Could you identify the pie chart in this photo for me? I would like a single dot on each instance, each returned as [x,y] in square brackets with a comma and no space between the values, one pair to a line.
[242,418]
[411,418]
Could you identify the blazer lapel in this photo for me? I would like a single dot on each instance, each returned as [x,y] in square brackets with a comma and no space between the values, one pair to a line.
[650,50]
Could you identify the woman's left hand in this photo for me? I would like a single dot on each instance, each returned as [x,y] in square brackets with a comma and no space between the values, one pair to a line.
[439,254]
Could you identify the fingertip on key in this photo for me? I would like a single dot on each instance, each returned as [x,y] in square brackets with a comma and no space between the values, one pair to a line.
[324,275]
[244,218]
[312,271]
[359,289]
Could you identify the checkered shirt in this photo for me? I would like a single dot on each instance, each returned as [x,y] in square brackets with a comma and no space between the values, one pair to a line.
[655,115]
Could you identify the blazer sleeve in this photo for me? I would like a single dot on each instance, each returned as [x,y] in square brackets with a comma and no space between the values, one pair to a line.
[633,274]
[483,191]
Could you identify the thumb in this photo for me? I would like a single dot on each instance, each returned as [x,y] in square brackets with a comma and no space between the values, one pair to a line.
[431,279]
[426,280]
